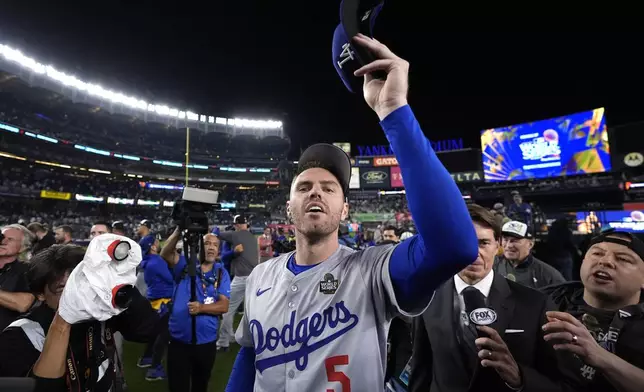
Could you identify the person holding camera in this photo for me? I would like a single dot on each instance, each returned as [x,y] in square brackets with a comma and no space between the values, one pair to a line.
[160,287]
[62,350]
[190,365]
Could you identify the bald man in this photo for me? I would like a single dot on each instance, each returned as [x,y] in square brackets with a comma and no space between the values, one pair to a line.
[191,364]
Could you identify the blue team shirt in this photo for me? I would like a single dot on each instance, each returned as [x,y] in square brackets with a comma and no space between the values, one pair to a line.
[158,277]
[180,324]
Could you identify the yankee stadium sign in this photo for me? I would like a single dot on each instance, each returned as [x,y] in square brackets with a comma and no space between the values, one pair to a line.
[382,150]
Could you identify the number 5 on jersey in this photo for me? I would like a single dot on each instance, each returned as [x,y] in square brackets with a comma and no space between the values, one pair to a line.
[336,376]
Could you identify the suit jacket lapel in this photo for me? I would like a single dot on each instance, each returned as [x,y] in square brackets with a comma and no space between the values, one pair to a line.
[441,307]
[441,312]
[502,303]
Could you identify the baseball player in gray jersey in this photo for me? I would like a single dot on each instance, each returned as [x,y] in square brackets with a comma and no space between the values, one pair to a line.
[317,319]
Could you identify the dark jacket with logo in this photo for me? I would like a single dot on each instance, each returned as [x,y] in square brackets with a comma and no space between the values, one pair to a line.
[441,364]
[91,367]
[532,272]
[569,297]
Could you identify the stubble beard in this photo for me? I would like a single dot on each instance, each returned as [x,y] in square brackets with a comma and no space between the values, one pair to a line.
[316,232]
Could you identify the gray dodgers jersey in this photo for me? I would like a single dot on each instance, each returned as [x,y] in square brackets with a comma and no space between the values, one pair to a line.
[324,329]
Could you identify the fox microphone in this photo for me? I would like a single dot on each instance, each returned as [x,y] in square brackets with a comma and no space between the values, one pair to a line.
[477,311]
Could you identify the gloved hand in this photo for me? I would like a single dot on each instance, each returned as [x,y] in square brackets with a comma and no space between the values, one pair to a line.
[90,293]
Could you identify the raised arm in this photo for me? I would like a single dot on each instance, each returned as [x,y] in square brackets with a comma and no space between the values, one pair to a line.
[447,241]
[168,253]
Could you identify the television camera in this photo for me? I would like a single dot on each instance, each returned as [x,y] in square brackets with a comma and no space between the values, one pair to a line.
[189,214]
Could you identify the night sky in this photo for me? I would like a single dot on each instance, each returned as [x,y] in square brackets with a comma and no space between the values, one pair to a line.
[266,59]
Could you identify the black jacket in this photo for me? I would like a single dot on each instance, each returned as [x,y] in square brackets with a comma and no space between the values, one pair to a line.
[13,279]
[439,363]
[22,343]
[399,346]
[569,297]
[45,242]
[532,272]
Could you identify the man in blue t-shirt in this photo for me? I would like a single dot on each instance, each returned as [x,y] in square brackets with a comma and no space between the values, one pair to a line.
[160,287]
[519,210]
[189,366]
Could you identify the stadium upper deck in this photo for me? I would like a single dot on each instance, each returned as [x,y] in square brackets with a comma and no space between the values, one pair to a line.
[48,101]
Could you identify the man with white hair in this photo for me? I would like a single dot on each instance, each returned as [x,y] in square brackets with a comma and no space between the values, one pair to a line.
[15,297]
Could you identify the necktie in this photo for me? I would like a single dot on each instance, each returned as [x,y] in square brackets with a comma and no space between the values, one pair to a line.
[473,299]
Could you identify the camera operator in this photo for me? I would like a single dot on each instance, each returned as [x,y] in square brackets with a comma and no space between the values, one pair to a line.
[61,356]
[190,366]
[15,297]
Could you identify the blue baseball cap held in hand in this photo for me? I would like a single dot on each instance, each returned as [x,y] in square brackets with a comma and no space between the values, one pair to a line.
[356,16]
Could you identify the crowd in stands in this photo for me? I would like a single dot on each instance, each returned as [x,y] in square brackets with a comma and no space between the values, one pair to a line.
[99,129]
[389,204]
[28,180]
[18,175]
[523,256]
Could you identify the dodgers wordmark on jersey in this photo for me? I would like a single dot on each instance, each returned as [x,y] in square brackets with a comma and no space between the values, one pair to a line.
[326,326]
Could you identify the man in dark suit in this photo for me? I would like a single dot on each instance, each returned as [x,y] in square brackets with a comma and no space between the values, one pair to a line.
[504,351]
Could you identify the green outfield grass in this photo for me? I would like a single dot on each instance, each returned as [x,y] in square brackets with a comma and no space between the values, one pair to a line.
[136,377]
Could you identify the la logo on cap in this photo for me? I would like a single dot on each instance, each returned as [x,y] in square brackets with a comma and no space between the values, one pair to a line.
[483,316]
[346,55]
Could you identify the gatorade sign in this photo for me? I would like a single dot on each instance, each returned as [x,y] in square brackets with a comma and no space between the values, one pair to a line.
[55,195]
[483,316]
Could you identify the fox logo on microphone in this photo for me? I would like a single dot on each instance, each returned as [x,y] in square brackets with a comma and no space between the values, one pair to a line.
[483,316]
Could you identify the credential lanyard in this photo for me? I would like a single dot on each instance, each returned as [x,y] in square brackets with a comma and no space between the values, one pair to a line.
[614,330]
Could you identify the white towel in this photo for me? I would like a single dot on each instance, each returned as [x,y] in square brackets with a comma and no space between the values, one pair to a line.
[88,292]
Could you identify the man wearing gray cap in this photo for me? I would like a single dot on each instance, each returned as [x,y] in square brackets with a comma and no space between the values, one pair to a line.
[518,264]
[245,259]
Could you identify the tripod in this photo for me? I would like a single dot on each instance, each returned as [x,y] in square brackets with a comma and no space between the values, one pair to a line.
[193,247]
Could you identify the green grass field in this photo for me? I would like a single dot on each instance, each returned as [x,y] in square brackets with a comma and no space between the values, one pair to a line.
[135,377]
